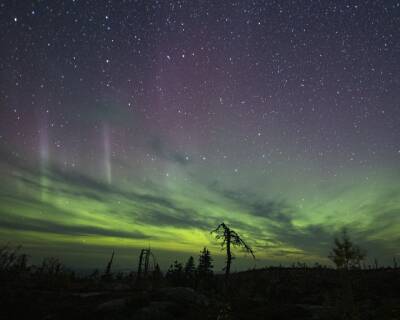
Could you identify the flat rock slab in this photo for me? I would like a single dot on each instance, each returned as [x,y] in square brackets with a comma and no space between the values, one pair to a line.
[181,295]
[115,304]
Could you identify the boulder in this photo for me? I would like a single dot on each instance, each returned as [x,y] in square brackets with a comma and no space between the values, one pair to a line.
[157,310]
[112,305]
[181,296]
[120,287]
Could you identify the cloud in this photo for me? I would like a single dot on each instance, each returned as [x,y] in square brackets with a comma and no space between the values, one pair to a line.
[279,225]
[276,210]
[40,225]
[148,209]
[382,215]
[161,151]
[275,232]
[180,218]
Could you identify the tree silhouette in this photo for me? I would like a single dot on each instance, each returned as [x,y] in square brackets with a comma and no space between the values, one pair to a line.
[204,271]
[204,268]
[230,238]
[175,274]
[51,266]
[345,254]
[189,266]
[107,273]
[157,271]
[189,271]
[157,275]
[144,263]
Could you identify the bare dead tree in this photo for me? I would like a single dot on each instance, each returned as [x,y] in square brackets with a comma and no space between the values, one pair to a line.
[228,238]
[107,273]
[144,264]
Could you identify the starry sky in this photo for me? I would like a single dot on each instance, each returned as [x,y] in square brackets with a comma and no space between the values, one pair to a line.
[127,124]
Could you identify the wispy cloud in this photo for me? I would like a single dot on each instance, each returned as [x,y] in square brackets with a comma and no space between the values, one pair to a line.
[160,149]
[39,225]
[79,205]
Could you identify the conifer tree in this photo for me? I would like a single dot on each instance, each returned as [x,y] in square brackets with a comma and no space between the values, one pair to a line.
[175,274]
[204,270]
[205,267]
[189,271]
[156,275]
[345,254]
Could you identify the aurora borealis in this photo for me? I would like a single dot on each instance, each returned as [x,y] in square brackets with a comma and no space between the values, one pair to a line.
[127,124]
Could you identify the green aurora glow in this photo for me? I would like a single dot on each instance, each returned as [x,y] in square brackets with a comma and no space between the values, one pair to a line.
[58,211]
[128,124]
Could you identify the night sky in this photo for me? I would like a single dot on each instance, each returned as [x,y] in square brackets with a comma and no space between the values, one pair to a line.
[128,124]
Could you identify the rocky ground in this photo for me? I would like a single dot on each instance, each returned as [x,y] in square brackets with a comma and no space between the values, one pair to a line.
[164,303]
[258,294]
